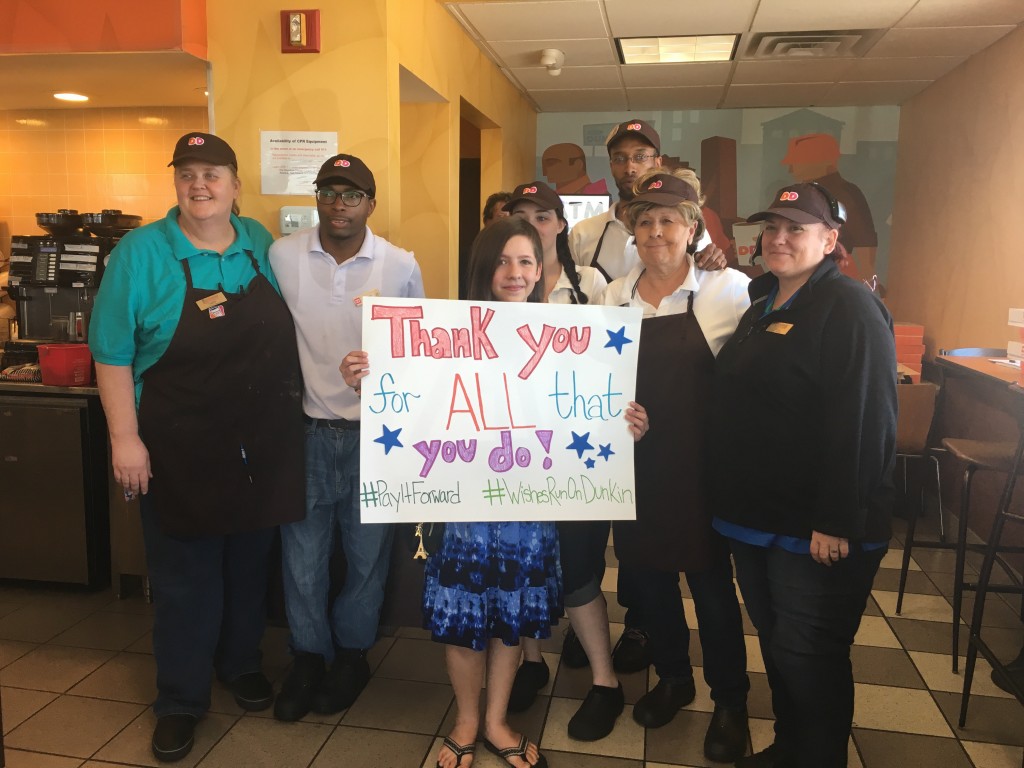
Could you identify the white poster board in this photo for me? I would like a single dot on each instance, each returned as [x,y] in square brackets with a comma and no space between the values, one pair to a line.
[289,160]
[478,411]
[579,207]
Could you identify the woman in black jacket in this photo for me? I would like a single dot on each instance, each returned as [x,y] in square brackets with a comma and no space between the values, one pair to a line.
[803,437]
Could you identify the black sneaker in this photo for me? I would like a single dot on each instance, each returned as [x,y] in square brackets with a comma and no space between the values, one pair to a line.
[252,691]
[296,696]
[727,735]
[530,678]
[573,655]
[659,705]
[173,737]
[630,653]
[596,716]
[342,685]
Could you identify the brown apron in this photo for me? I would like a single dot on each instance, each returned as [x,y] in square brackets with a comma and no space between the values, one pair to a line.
[221,415]
[675,369]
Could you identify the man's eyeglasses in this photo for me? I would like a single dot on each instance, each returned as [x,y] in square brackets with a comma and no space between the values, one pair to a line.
[350,197]
[638,158]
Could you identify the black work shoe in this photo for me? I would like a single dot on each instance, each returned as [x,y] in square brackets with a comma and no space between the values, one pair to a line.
[252,691]
[342,685]
[296,696]
[659,705]
[173,737]
[573,655]
[630,653]
[596,716]
[530,678]
[772,757]
[727,736]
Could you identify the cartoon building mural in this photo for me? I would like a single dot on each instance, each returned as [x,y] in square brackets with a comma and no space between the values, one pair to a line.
[565,167]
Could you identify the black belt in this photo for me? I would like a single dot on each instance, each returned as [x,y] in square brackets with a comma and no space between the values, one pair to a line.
[332,423]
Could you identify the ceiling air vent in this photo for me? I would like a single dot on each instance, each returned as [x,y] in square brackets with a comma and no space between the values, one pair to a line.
[805,45]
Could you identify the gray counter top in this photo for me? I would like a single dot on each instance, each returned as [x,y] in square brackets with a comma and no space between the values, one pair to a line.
[26,388]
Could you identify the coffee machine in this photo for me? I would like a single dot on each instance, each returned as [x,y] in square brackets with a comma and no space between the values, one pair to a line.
[54,277]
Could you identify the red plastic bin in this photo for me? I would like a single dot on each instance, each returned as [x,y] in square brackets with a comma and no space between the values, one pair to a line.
[65,365]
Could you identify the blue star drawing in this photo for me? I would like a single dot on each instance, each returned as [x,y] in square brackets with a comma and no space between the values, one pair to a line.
[617,339]
[580,444]
[606,452]
[389,439]
[590,463]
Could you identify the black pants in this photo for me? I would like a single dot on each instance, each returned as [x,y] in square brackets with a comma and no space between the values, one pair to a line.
[720,627]
[806,616]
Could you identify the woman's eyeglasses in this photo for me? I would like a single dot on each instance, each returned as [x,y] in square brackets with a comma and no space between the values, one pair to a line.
[350,197]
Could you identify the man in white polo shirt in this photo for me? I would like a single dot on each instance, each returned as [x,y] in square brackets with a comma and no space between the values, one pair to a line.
[324,273]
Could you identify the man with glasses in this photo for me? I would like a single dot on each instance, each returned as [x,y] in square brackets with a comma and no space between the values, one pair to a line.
[325,272]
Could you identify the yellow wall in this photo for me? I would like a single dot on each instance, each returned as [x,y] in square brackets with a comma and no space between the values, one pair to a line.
[351,87]
[956,264]
[87,159]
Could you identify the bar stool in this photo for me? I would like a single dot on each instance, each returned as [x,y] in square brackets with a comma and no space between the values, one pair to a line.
[975,643]
[916,412]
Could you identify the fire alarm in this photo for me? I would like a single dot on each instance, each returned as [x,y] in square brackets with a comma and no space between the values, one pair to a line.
[300,31]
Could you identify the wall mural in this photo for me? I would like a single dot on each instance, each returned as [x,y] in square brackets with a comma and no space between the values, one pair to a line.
[742,157]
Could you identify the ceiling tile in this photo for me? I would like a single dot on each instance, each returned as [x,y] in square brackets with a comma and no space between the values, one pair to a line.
[697,97]
[959,13]
[594,100]
[920,68]
[778,95]
[800,15]
[802,71]
[667,75]
[573,19]
[578,53]
[538,79]
[936,41]
[873,94]
[672,17]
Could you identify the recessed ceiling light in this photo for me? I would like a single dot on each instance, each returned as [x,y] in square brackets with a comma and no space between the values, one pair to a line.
[149,120]
[70,97]
[665,50]
[30,122]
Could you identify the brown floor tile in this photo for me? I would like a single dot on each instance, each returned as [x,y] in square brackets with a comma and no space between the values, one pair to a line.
[759,699]
[997,613]
[883,749]
[575,683]
[53,668]
[988,719]
[994,755]
[421,660]
[558,759]
[143,645]
[400,705]
[872,609]
[884,666]
[937,560]
[11,650]
[132,745]
[917,582]
[365,747]
[19,705]
[882,707]
[17,758]
[256,742]
[681,741]
[928,636]
[73,726]
[126,677]
[107,631]
[39,623]
[616,612]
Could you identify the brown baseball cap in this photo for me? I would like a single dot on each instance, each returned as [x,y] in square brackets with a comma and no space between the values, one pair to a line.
[347,169]
[204,147]
[536,192]
[665,189]
[638,129]
[802,203]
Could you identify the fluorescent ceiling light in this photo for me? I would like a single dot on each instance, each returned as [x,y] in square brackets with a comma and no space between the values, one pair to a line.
[664,50]
[70,97]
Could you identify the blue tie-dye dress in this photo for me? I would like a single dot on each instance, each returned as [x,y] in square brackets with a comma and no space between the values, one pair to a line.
[493,580]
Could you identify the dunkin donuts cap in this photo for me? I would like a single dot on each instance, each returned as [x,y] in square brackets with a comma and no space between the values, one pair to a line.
[348,169]
[536,192]
[665,189]
[638,129]
[802,203]
[204,147]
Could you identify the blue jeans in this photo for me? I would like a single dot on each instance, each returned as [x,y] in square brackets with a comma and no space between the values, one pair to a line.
[332,507]
[806,616]
[209,610]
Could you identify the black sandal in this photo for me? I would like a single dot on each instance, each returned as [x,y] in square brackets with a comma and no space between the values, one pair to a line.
[459,750]
[519,751]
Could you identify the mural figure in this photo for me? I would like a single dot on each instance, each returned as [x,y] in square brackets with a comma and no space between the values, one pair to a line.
[565,166]
[815,157]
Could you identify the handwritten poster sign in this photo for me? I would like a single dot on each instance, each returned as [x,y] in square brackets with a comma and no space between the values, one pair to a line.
[496,411]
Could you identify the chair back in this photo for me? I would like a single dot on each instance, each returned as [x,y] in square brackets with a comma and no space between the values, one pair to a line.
[973,352]
[914,422]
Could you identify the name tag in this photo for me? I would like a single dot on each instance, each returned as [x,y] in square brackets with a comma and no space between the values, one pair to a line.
[211,301]
[358,300]
[780,328]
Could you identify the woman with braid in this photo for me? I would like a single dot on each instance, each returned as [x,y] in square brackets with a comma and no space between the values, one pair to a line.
[581,544]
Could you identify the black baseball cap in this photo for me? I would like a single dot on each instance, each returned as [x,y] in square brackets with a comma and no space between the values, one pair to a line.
[664,189]
[204,147]
[638,129]
[803,203]
[348,169]
[536,192]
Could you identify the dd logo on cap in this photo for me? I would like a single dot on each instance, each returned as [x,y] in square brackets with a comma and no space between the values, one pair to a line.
[195,140]
[634,127]
[789,196]
[530,191]
[655,185]
[342,162]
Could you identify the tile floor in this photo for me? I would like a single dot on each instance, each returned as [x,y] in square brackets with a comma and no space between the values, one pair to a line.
[77,675]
